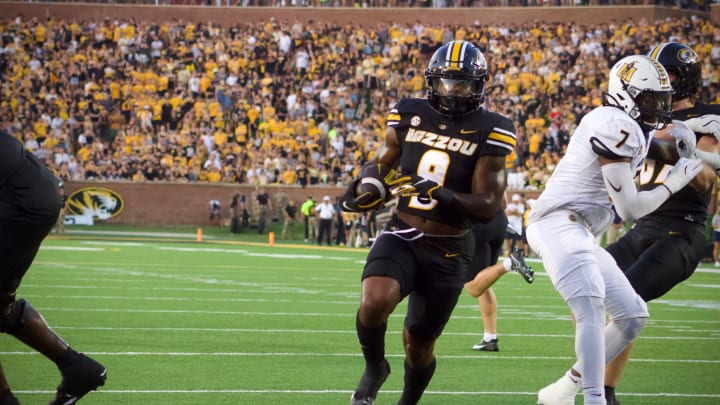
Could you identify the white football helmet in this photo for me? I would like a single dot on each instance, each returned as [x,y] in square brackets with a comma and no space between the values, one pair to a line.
[640,86]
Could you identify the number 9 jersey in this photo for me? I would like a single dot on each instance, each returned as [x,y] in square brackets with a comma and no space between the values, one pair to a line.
[445,150]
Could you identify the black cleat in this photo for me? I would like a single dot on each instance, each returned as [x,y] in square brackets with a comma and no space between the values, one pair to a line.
[7,398]
[518,264]
[78,378]
[487,346]
[610,396]
[370,384]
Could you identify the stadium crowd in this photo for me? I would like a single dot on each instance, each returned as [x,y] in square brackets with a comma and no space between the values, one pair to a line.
[280,102]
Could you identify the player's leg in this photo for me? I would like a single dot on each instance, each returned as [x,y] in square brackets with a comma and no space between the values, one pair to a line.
[628,314]
[380,296]
[667,263]
[570,261]
[18,318]
[658,269]
[482,257]
[437,288]
[625,308]
[21,233]
[613,372]
[6,396]
[488,301]
[423,326]
[488,310]
[487,276]
[389,262]
[484,279]
[419,366]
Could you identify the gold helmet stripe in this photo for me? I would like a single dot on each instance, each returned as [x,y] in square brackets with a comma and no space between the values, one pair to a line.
[456,54]
[656,51]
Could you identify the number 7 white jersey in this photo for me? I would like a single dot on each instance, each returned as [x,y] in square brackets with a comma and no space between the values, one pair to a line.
[577,183]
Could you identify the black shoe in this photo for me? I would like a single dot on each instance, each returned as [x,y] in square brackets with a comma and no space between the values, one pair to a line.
[518,264]
[7,398]
[610,396]
[370,384]
[78,378]
[487,346]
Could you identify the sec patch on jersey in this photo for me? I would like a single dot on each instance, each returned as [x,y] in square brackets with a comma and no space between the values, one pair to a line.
[374,178]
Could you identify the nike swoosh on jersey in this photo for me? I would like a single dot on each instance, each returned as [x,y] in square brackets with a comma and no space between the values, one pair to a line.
[617,189]
[467,131]
[674,233]
[449,255]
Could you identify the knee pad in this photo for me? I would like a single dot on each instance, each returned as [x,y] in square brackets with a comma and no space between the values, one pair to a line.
[619,333]
[14,318]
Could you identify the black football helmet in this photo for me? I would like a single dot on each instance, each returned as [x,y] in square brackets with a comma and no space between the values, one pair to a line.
[455,78]
[683,62]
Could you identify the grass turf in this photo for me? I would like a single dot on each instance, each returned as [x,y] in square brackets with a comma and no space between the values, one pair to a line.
[235,321]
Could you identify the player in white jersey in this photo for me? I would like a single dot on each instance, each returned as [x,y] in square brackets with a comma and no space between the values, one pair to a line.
[572,212]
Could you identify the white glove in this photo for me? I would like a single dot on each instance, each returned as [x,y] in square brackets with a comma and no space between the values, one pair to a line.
[685,139]
[682,173]
[705,124]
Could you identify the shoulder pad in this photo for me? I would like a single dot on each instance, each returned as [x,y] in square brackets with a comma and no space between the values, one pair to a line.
[617,139]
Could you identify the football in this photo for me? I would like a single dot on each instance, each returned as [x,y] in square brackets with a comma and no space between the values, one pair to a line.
[373,179]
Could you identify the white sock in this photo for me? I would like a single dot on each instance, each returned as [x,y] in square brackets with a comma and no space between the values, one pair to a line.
[489,336]
[507,264]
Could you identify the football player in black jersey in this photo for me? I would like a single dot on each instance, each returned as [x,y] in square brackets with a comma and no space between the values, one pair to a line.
[665,247]
[485,270]
[450,153]
[29,206]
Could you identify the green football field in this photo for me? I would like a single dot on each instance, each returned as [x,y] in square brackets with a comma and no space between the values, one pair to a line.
[238,322]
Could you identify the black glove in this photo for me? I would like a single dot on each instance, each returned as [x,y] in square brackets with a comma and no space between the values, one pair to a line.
[361,203]
[425,190]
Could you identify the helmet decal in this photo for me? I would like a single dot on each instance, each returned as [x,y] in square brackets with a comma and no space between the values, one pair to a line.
[626,71]
[664,78]
[686,55]
[455,57]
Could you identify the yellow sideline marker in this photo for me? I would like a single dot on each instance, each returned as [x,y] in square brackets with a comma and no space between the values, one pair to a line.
[199,235]
[271,238]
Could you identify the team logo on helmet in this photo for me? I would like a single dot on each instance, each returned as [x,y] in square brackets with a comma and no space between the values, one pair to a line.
[626,72]
[686,55]
[95,203]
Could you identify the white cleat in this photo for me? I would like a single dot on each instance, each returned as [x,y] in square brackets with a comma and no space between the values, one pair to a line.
[561,392]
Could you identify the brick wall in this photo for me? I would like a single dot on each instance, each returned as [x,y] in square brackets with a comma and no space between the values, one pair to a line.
[164,203]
